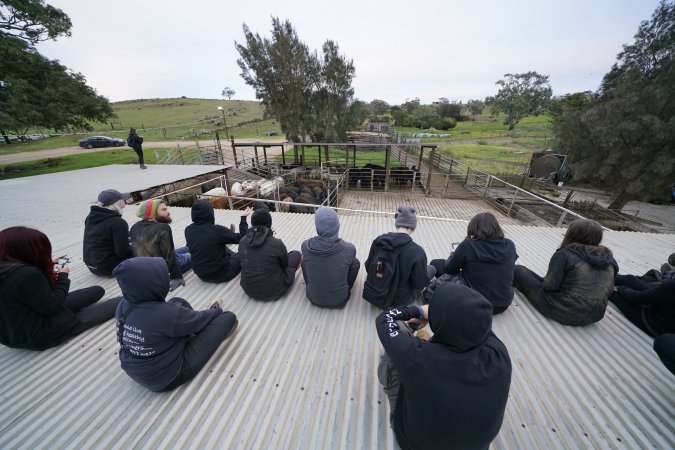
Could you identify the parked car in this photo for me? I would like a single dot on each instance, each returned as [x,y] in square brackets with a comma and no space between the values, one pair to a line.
[101,141]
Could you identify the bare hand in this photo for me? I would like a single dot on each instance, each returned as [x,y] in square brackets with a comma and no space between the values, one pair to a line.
[64,268]
[247,211]
[217,304]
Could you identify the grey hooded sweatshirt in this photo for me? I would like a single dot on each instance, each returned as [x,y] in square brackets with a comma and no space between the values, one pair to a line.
[327,260]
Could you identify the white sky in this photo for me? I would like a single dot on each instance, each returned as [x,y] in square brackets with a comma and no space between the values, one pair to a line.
[427,49]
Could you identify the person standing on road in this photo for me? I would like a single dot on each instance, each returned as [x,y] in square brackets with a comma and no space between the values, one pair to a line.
[136,142]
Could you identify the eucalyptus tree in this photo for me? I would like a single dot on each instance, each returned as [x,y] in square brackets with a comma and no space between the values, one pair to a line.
[310,95]
[622,136]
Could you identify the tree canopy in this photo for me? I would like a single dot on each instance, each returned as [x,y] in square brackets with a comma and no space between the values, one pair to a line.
[521,95]
[33,20]
[228,92]
[622,137]
[310,95]
[36,91]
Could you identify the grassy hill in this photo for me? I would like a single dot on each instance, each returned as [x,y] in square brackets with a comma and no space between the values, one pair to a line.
[174,118]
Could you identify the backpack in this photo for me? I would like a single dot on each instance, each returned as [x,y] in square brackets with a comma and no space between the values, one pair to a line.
[383,275]
[130,141]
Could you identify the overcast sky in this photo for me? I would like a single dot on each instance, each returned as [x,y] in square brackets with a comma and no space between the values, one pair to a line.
[427,49]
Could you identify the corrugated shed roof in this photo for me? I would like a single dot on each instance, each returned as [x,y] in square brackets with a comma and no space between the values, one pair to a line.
[297,376]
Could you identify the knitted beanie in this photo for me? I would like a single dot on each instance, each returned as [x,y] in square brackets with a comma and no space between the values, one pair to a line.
[261,216]
[405,217]
[148,209]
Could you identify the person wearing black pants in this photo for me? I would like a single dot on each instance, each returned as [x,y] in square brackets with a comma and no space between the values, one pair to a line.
[163,343]
[37,308]
[650,307]
[579,280]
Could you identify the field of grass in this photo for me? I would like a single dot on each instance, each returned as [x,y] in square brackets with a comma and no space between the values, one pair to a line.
[167,120]
[74,162]
[482,143]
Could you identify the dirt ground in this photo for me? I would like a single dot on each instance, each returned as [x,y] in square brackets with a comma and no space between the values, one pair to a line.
[76,150]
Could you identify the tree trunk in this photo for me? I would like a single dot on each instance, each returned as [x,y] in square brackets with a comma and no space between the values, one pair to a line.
[620,201]
[6,137]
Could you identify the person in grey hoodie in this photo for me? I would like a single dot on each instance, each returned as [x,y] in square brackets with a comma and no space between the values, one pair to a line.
[267,268]
[163,343]
[484,260]
[579,281]
[329,264]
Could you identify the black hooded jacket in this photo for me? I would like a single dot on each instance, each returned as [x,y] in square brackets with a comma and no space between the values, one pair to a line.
[412,261]
[106,240]
[264,264]
[578,284]
[454,388]
[154,332]
[32,314]
[208,243]
[487,266]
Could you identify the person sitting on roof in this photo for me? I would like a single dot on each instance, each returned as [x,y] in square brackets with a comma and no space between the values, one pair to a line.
[664,346]
[329,264]
[37,308]
[649,306]
[396,267]
[106,234]
[484,261]
[580,277]
[450,391]
[152,236]
[212,261]
[267,268]
[163,343]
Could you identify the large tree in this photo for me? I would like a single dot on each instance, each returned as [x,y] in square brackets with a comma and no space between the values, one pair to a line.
[521,95]
[35,91]
[310,96]
[622,137]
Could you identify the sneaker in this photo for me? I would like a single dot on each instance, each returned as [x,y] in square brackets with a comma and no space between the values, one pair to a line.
[143,166]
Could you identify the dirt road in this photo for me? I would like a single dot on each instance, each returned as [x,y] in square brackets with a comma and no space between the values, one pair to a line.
[65,151]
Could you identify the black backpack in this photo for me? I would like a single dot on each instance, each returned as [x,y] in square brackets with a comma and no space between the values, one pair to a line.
[130,141]
[383,275]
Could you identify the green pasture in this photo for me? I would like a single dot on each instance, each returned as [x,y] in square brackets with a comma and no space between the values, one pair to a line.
[486,127]
[75,162]
[492,158]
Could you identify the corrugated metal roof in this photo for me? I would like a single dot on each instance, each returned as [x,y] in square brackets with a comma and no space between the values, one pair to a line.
[296,376]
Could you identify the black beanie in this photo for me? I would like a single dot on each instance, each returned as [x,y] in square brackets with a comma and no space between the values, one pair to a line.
[262,216]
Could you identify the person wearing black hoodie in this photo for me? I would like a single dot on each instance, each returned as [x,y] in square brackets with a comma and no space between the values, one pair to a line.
[106,234]
[212,261]
[450,391]
[267,268]
[413,271]
[485,260]
[163,343]
[329,264]
[579,281]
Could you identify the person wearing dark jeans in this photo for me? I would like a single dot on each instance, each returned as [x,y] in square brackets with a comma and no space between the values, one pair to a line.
[88,312]
[579,280]
[650,307]
[163,343]
[664,346]
[200,347]
[37,308]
